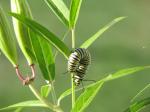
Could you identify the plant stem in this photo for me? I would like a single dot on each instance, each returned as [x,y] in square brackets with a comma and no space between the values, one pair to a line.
[43,100]
[72,82]
[53,93]
[73,38]
[73,91]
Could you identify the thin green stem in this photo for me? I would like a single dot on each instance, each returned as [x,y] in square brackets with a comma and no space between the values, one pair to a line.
[73,38]
[43,100]
[53,93]
[73,90]
[72,82]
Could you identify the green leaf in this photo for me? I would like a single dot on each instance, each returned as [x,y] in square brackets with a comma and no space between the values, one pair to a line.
[7,43]
[140,92]
[18,109]
[31,103]
[74,12]
[137,106]
[43,53]
[48,57]
[45,90]
[90,91]
[39,55]
[92,39]
[31,45]
[66,93]
[49,36]
[60,10]
[28,41]
[125,72]
[21,31]
[63,95]
[87,96]
[44,56]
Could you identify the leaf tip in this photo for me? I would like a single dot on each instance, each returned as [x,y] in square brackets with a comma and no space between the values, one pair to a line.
[120,18]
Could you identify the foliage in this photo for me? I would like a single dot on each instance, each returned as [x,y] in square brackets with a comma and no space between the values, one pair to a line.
[37,47]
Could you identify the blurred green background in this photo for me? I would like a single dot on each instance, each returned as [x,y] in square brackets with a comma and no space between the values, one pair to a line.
[127,44]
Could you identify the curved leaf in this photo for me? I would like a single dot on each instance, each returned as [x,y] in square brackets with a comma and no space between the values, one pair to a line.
[125,72]
[44,56]
[40,55]
[87,96]
[92,39]
[19,109]
[31,43]
[7,43]
[45,90]
[66,93]
[21,31]
[137,106]
[74,12]
[63,95]
[140,92]
[49,36]
[60,9]
[90,91]
[31,103]
[48,58]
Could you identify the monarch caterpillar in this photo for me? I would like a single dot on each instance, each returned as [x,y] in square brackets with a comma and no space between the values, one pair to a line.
[78,63]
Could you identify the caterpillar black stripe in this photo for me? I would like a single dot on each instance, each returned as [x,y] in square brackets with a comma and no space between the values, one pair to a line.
[78,63]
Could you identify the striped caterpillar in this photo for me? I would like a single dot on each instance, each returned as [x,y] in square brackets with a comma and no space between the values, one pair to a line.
[78,63]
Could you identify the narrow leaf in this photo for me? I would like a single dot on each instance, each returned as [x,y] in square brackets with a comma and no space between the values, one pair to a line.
[140,92]
[42,51]
[74,12]
[21,31]
[48,57]
[66,93]
[137,106]
[90,92]
[60,10]
[125,72]
[44,56]
[7,43]
[39,55]
[32,103]
[45,90]
[63,95]
[92,39]
[19,109]
[49,36]
[87,96]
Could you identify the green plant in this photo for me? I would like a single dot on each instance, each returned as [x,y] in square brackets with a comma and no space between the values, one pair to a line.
[36,41]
